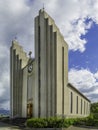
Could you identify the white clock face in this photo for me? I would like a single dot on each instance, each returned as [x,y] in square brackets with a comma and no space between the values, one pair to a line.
[30,68]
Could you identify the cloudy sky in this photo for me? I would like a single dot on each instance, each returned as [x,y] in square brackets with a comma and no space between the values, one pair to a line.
[78,22]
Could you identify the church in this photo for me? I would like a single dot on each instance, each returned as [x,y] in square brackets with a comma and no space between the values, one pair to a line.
[39,87]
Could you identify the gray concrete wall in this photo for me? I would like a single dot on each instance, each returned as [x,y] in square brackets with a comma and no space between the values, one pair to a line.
[46,63]
[31,87]
[24,93]
[62,74]
[18,61]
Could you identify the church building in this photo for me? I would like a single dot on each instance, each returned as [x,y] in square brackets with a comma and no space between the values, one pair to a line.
[39,87]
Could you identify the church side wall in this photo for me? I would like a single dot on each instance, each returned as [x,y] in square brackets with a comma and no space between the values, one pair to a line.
[79,106]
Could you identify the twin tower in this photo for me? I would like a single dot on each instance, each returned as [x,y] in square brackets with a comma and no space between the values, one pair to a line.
[39,87]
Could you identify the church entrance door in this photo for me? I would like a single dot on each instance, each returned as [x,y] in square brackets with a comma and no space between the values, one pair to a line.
[29,110]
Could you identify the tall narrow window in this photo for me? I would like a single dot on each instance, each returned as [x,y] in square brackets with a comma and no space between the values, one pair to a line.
[87,108]
[71,102]
[77,104]
[81,106]
[84,107]
[62,80]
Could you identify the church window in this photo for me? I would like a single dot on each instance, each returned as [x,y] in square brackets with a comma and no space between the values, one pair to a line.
[71,102]
[84,107]
[77,104]
[81,106]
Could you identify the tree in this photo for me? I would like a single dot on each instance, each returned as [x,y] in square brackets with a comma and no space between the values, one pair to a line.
[94,107]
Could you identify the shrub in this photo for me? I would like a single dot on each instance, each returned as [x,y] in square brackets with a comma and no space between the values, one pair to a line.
[68,122]
[95,115]
[36,123]
[52,122]
[91,120]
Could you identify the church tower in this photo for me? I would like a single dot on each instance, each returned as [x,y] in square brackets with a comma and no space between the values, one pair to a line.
[18,60]
[51,59]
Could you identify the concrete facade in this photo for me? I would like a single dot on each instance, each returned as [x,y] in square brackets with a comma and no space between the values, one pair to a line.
[18,60]
[51,51]
[42,88]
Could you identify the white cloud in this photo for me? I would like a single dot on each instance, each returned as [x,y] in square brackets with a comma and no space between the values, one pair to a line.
[96,75]
[72,22]
[5,105]
[4,90]
[3,50]
[71,17]
[85,81]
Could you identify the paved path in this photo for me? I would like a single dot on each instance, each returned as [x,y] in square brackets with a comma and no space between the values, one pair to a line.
[80,128]
[8,127]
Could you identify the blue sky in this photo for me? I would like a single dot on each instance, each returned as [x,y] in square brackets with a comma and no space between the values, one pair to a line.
[89,58]
[78,23]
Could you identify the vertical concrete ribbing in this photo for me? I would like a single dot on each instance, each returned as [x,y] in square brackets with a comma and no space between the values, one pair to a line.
[47,53]
[62,81]
[24,92]
[16,79]
[66,96]
[11,82]
[55,72]
[49,70]
[53,75]
[17,93]
[51,96]
[48,59]
[43,64]
[14,85]
[20,86]
[37,89]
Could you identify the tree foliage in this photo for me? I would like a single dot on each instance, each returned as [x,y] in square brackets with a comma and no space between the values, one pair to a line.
[94,107]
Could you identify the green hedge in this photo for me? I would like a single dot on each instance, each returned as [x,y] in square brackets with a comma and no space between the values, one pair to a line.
[50,122]
[92,120]
[54,122]
[36,123]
